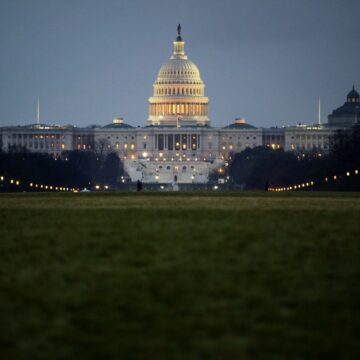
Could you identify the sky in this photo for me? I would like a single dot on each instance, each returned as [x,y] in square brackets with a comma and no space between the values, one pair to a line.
[89,61]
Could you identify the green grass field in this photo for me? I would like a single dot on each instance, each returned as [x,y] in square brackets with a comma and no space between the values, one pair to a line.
[180,276]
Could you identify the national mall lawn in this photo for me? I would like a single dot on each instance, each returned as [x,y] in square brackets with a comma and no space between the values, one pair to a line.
[180,276]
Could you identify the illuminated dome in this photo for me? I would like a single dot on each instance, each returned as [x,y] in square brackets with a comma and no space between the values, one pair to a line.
[179,98]
[179,71]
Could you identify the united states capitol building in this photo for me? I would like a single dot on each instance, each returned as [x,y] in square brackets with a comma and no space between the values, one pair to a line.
[178,143]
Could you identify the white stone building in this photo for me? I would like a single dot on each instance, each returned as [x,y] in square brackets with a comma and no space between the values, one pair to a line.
[177,144]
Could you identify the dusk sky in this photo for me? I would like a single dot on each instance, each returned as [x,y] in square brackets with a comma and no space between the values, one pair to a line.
[90,60]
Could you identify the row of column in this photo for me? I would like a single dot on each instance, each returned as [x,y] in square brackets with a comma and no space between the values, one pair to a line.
[179,91]
[177,142]
[178,109]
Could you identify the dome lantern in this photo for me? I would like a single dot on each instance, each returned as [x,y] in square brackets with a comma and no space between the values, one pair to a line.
[179,51]
[353,96]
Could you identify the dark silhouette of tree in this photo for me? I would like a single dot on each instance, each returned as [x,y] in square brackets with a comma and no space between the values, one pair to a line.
[112,169]
[345,148]
[71,169]
[253,168]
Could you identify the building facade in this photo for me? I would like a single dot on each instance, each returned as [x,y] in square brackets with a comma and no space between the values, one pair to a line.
[178,144]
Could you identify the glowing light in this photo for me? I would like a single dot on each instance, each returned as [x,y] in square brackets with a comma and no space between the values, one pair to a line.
[356,172]
[335,177]
[216,187]
[31,184]
[144,154]
[348,174]
[17,182]
[1,178]
[97,187]
[106,187]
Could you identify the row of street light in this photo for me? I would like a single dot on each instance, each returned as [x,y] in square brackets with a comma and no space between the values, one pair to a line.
[35,186]
[311,183]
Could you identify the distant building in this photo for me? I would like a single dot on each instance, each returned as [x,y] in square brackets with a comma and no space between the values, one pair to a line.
[177,145]
[347,114]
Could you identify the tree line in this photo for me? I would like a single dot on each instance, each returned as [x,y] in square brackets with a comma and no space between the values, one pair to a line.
[75,168]
[257,167]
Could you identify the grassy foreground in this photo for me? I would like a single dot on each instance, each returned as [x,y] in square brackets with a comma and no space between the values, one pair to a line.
[179,276]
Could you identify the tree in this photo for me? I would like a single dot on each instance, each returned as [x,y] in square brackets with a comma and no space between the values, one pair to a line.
[345,148]
[253,168]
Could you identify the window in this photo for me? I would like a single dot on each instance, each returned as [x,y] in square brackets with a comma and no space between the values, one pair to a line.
[177,142]
[184,141]
[161,142]
[170,142]
[193,142]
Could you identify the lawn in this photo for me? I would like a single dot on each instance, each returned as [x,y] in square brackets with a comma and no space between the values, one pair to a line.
[180,276]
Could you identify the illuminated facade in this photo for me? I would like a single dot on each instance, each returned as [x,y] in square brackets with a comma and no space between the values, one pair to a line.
[179,93]
[177,145]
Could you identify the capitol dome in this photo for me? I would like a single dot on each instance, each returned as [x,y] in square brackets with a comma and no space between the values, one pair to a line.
[179,98]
